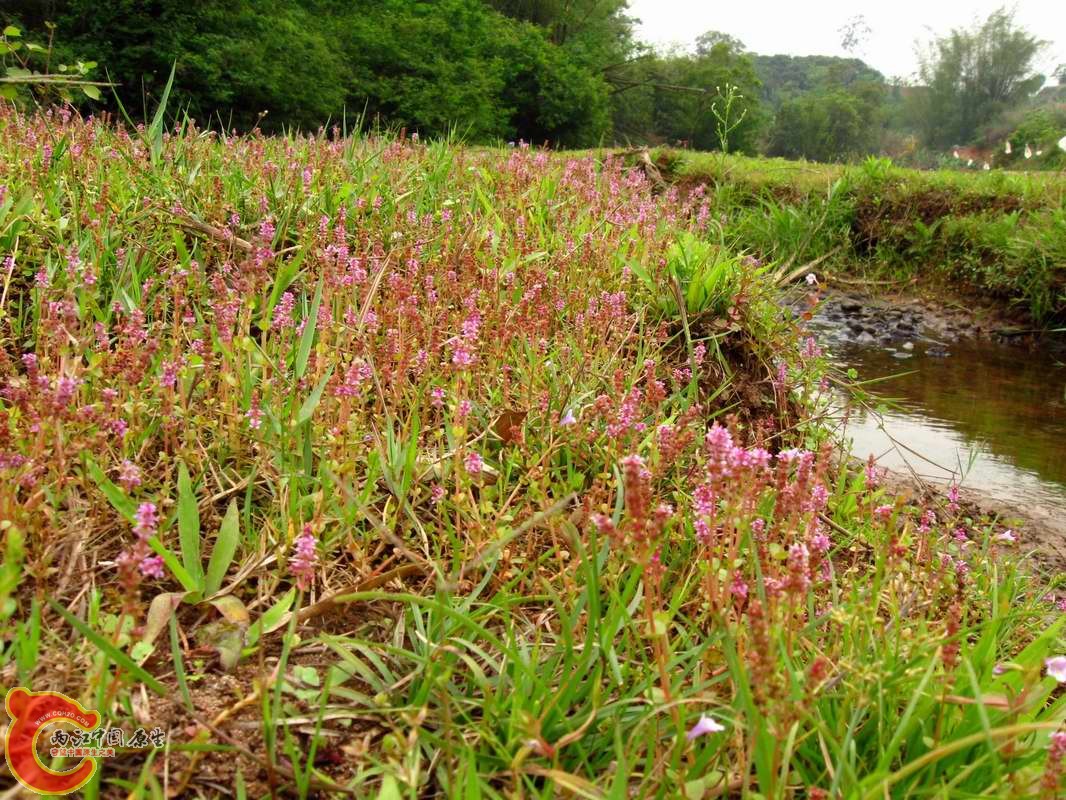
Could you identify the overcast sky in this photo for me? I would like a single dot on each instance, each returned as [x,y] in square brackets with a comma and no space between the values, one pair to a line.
[812,28]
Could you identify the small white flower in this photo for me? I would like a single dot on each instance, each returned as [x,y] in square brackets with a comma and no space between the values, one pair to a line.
[1056,668]
[1006,536]
[1006,147]
[1062,143]
[1028,151]
[707,724]
[811,279]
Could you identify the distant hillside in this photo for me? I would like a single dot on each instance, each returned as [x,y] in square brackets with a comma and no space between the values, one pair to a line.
[784,76]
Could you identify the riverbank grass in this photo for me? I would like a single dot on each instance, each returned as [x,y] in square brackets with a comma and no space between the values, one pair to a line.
[995,234]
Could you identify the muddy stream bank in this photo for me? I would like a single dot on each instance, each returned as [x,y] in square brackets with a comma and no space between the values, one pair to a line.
[969,400]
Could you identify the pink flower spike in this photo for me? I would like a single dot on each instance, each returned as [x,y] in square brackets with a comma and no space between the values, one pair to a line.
[152,567]
[304,559]
[473,463]
[146,519]
[1056,668]
[704,725]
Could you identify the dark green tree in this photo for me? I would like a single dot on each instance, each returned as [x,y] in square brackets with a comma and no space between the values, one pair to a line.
[824,126]
[685,87]
[973,75]
[434,66]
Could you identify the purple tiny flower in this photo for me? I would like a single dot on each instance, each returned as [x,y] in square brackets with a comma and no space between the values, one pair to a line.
[568,419]
[1056,668]
[462,357]
[254,414]
[704,725]
[820,543]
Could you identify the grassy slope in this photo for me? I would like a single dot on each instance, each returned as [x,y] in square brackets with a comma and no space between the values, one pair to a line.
[461,375]
[1002,234]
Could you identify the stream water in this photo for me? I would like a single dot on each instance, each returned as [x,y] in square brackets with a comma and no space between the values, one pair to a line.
[990,415]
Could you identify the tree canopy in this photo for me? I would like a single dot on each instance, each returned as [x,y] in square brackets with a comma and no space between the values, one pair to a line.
[567,73]
[975,74]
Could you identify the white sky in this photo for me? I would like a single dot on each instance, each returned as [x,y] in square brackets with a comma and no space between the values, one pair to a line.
[797,27]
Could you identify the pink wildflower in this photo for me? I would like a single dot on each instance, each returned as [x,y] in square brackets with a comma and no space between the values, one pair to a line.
[473,463]
[146,519]
[283,312]
[152,567]
[305,558]
[129,475]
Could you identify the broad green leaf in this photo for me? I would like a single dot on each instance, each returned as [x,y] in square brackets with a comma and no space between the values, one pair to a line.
[307,338]
[307,410]
[160,610]
[155,130]
[229,534]
[189,525]
[390,789]
[91,91]
[118,499]
[272,619]
[191,584]
[233,610]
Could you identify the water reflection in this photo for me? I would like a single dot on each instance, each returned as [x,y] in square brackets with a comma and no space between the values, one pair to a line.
[995,413]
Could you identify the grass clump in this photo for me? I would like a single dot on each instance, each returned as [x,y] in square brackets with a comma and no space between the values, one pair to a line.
[380,468]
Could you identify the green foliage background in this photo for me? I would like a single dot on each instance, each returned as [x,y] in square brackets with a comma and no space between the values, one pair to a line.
[567,73]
